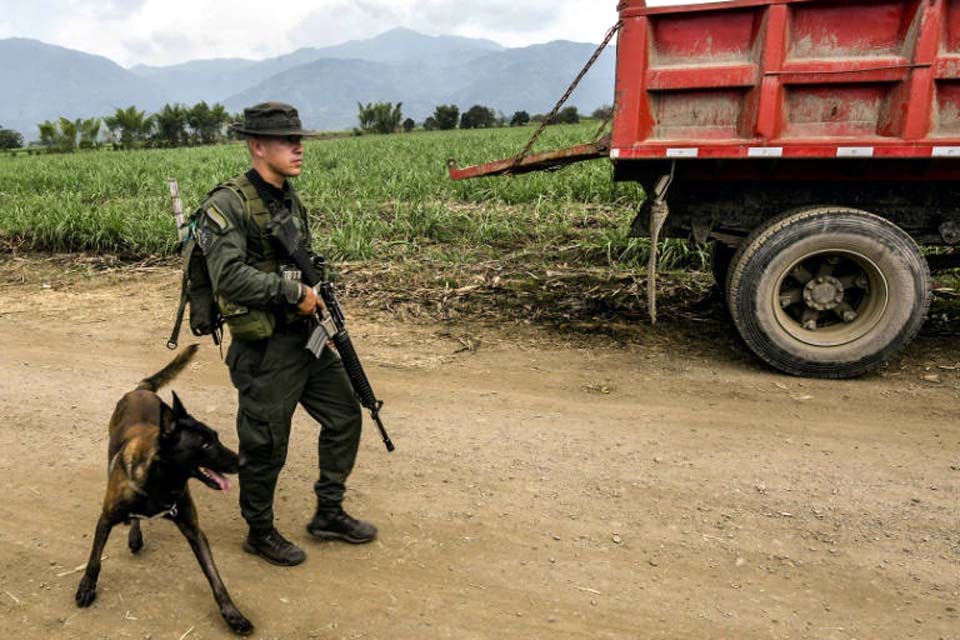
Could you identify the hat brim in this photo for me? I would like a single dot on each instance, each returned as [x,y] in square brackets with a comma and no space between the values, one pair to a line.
[272,133]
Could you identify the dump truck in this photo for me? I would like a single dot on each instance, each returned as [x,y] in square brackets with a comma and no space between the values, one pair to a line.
[815,144]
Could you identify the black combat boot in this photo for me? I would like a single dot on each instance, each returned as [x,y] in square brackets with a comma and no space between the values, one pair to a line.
[333,523]
[274,548]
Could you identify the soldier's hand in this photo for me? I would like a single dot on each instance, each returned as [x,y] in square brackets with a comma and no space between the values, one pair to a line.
[309,302]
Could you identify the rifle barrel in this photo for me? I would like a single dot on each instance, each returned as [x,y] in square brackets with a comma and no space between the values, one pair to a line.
[383,432]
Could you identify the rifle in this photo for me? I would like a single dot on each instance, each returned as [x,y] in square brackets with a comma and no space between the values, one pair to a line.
[330,325]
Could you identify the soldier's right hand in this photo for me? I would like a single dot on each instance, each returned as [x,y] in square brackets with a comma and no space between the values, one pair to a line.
[309,302]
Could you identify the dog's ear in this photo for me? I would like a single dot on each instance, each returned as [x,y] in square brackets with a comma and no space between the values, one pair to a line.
[168,423]
[179,413]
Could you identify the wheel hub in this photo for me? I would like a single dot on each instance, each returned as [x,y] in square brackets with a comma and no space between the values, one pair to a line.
[823,294]
[830,298]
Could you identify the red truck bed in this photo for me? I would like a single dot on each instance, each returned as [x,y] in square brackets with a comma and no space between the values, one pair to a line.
[789,78]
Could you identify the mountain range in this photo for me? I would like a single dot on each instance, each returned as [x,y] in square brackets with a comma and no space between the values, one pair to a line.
[324,83]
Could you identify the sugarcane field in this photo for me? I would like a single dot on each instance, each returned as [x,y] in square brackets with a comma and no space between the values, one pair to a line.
[682,364]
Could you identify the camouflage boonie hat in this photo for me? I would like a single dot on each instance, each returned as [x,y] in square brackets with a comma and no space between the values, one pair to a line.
[271,119]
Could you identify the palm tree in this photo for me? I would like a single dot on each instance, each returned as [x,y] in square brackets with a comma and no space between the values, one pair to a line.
[132,124]
[171,124]
[48,133]
[198,117]
[380,117]
[219,119]
[89,131]
[67,138]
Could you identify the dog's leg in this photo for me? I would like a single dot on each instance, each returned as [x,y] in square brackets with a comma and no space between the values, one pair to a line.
[186,520]
[87,590]
[135,538]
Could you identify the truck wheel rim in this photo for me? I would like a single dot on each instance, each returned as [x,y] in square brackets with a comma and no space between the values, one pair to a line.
[830,298]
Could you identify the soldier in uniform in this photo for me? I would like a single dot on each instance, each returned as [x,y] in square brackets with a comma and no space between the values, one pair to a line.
[267,310]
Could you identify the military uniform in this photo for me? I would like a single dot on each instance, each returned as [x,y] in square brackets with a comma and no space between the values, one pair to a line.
[257,292]
[274,374]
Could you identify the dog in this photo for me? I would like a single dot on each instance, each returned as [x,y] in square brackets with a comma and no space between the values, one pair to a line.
[154,449]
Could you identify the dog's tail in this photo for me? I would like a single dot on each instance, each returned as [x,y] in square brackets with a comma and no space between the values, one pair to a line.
[169,372]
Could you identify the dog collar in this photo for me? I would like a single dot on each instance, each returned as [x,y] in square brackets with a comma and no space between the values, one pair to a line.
[171,512]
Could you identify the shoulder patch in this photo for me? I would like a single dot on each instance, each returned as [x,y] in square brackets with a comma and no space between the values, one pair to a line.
[204,238]
[215,216]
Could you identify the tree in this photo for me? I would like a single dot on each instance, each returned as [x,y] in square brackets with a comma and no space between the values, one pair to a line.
[10,139]
[130,124]
[568,115]
[409,125]
[198,117]
[89,132]
[233,120]
[603,113]
[445,117]
[430,124]
[171,125]
[207,123]
[478,117]
[60,135]
[219,119]
[67,138]
[380,117]
[519,119]
[48,133]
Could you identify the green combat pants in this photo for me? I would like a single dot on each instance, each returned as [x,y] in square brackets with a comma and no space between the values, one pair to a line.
[271,377]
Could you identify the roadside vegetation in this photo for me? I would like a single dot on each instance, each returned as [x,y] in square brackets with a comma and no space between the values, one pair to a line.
[548,245]
[383,204]
[383,197]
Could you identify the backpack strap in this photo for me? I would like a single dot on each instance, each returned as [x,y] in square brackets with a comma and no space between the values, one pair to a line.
[178,323]
[184,292]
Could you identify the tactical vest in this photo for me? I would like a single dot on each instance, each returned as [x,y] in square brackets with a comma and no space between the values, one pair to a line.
[208,311]
[265,258]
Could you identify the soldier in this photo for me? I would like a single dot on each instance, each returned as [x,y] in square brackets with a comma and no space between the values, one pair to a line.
[267,310]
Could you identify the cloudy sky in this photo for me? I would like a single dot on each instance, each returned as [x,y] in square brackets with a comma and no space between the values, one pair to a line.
[161,32]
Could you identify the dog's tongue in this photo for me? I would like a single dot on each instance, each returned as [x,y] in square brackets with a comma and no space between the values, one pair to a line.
[222,481]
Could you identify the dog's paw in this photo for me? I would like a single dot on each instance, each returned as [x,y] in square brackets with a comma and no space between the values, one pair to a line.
[86,592]
[239,624]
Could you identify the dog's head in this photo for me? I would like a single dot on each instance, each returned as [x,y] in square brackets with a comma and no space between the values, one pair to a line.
[195,448]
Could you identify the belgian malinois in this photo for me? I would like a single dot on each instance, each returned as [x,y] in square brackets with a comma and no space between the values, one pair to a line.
[154,449]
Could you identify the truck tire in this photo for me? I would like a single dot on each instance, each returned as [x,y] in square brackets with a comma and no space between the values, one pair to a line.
[721,255]
[828,292]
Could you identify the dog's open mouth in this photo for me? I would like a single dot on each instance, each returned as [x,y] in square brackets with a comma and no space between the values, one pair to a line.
[213,479]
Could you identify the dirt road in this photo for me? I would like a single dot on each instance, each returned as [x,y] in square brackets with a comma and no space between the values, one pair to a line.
[545,485]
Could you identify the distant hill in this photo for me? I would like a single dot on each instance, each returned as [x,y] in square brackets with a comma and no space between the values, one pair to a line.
[48,81]
[407,47]
[534,78]
[199,80]
[326,92]
[324,83]
[530,78]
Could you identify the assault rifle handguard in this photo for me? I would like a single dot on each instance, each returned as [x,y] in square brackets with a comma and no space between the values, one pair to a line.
[331,326]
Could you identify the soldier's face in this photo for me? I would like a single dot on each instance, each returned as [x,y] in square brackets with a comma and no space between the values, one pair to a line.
[283,156]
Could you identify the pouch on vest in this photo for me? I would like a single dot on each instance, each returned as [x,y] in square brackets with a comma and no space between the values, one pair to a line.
[245,323]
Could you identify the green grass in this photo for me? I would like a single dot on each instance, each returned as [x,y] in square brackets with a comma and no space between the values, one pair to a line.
[370,198]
